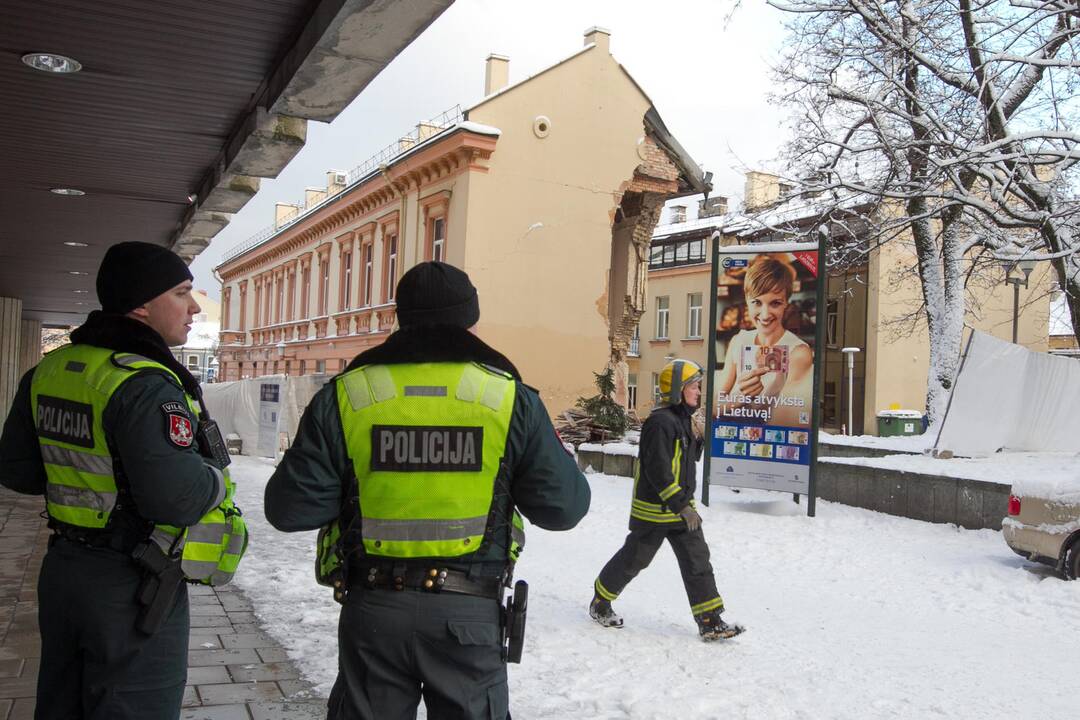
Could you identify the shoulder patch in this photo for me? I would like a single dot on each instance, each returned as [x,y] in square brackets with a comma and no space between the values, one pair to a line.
[175,407]
[178,427]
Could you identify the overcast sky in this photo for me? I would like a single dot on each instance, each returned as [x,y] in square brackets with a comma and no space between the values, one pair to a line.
[707,74]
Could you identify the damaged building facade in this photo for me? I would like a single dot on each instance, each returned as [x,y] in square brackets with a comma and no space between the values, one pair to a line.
[545,191]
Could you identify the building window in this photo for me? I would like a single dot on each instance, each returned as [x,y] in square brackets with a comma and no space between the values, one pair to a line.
[193,362]
[320,366]
[662,318]
[673,254]
[346,280]
[693,315]
[655,388]
[391,267]
[305,290]
[324,285]
[226,301]
[635,342]
[832,308]
[438,239]
[631,391]
[257,306]
[267,299]
[303,366]
[280,299]
[368,276]
[678,213]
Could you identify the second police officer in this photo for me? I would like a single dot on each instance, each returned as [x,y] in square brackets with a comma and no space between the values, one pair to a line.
[415,461]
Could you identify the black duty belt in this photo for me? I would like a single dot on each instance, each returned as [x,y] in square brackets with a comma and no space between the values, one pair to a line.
[433,579]
[105,539]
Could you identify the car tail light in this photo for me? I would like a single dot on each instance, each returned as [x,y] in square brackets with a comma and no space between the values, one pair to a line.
[1014,505]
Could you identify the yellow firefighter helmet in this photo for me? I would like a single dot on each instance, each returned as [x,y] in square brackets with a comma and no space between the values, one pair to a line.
[676,375]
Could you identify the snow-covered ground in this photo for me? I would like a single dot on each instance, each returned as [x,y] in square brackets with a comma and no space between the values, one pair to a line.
[852,614]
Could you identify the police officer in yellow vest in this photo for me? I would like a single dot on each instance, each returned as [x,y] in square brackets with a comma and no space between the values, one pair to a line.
[418,457]
[108,430]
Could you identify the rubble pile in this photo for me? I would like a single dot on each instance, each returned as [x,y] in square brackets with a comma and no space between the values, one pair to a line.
[576,426]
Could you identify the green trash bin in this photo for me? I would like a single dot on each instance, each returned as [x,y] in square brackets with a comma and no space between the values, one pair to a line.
[895,423]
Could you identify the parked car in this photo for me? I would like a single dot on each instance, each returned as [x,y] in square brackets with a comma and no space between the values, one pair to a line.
[1046,530]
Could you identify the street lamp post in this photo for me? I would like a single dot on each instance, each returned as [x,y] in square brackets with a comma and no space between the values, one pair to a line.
[850,352]
[1025,266]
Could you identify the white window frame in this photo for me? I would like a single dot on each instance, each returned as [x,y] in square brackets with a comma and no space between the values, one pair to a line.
[391,267]
[663,317]
[196,365]
[347,290]
[368,269]
[631,390]
[693,316]
[438,239]
[656,387]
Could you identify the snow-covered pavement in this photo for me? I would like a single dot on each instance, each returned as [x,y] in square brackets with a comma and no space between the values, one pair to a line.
[852,614]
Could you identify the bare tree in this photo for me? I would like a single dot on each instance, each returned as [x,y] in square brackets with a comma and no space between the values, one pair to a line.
[953,121]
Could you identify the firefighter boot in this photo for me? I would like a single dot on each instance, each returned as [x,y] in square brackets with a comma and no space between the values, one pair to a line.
[712,627]
[600,611]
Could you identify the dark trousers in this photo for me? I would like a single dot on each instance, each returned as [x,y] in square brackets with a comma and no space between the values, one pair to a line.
[396,647]
[690,549]
[94,664]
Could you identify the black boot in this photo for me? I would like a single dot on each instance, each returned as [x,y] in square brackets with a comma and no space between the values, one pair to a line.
[712,627]
[600,611]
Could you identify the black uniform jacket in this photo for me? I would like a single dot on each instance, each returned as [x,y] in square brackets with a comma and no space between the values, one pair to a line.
[665,433]
[305,492]
[169,484]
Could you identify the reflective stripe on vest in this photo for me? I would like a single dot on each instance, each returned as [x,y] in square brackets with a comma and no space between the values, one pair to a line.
[426,441]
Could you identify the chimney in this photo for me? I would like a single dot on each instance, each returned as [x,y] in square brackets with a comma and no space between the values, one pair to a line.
[283,213]
[425,130]
[600,37]
[405,143]
[313,196]
[496,73]
[761,189]
[335,182]
[713,207]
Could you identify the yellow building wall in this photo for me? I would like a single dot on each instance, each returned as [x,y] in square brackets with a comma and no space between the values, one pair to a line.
[539,237]
[676,284]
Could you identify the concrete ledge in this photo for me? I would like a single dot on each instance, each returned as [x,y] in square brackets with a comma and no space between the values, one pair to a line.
[830,450]
[972,504]
[621,465]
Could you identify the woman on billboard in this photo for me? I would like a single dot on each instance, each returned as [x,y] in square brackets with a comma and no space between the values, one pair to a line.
[767,369]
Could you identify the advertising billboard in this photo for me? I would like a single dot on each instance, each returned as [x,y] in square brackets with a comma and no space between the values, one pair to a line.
[765,322]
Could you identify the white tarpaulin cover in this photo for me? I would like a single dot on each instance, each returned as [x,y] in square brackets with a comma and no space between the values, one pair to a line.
[1008,397]
[235,405]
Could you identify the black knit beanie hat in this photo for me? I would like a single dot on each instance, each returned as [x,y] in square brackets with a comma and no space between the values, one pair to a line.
[133,273]
[434,293]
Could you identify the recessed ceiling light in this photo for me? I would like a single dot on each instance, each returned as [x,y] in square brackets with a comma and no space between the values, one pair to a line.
[74,243]
[72,192]
[76,272]
[52,63]
[79,303]
[80,291]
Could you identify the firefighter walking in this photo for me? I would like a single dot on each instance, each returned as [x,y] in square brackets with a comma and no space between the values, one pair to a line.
[663,508]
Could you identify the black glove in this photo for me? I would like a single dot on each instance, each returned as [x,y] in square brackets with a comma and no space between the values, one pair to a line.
[690,515]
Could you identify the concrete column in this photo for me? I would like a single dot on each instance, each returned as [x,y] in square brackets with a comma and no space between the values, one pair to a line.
[30,345]
[10,340]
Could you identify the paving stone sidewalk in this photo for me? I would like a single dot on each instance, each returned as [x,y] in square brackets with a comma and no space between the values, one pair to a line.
[235,670]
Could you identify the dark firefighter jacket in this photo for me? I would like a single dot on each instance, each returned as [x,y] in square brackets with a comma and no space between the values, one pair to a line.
[667,478]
